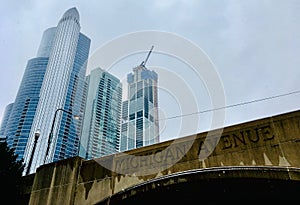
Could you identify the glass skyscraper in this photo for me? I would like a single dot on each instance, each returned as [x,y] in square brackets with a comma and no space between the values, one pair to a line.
[101,123]
[19,122]
[61,92]
[140,126]
[5,119]
[24,108]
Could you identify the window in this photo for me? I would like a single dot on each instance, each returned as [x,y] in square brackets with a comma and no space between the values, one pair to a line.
[132,116]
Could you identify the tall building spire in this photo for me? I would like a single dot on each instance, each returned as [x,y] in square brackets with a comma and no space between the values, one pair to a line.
[71,13]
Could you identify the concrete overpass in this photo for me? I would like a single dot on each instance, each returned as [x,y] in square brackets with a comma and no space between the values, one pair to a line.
[232,185]
[248,162]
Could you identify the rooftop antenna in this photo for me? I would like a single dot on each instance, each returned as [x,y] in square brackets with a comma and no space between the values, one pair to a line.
[145,61]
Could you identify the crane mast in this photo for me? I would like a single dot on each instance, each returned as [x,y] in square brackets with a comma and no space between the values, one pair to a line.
[145,61]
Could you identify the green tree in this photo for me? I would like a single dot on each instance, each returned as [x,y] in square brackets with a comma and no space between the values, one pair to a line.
[11,171]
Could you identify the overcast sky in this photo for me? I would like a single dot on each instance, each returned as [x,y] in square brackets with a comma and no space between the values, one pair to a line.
[254,46]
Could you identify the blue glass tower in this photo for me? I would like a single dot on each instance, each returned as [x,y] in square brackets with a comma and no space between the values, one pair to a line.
[101,123]
[61,94]
[5,119]
[19,123]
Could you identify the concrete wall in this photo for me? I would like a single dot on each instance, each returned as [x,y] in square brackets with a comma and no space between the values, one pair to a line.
[273,141]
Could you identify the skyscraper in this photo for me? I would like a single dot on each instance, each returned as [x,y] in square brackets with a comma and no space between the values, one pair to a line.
[101,123]
[140,126]
[19,122]
[5,119]
[61,93]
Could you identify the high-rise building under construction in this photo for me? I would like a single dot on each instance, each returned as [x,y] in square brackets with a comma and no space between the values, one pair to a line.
[140,126]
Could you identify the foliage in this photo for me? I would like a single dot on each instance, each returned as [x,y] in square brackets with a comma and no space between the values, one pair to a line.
[10,173]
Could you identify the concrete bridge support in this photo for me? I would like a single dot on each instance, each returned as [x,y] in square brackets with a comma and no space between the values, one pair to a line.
[257,159]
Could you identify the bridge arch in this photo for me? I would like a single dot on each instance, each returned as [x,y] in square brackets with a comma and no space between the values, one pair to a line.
[235,185]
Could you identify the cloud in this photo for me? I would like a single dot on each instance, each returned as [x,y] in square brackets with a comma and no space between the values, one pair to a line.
[254,44]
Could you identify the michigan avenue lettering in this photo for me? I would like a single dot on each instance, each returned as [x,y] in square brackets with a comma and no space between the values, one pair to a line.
[170,155]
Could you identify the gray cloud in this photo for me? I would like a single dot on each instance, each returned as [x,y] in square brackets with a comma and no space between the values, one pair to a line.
[254,44]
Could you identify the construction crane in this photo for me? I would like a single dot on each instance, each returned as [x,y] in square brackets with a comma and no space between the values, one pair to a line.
[145,61]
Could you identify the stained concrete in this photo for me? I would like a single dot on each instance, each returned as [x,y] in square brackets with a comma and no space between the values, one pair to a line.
[269,142]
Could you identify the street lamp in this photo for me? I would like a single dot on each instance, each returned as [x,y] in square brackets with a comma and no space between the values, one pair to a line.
[36,137]
[51,131]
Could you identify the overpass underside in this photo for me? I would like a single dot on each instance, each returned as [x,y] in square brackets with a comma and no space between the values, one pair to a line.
[234,185]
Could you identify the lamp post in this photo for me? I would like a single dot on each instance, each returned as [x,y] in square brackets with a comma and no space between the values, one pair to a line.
[51,131]
[36,137]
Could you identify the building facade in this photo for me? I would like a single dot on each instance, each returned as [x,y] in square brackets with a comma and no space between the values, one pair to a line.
[140,126]
[60,97]
[24,108]
[101,123]
[17,123]
[5,119]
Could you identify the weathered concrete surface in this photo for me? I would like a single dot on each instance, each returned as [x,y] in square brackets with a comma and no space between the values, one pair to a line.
[56,183]
[273,141]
